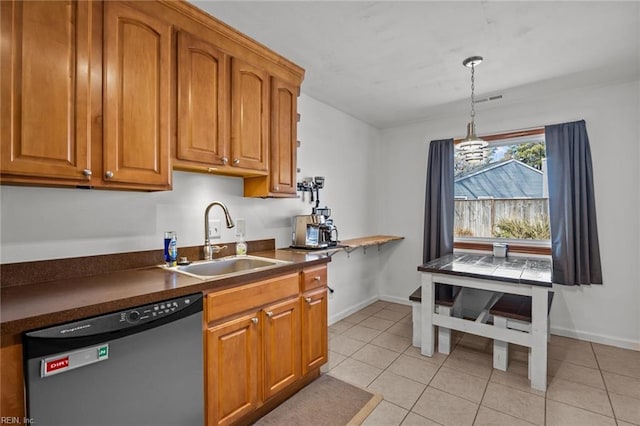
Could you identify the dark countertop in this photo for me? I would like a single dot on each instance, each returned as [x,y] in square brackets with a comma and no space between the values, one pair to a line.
[27,307]
[520,270]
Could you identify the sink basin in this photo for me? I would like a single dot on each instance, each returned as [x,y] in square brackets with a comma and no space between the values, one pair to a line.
[227,266]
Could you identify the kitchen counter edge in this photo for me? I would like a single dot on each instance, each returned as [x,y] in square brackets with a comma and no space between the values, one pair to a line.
[41,305]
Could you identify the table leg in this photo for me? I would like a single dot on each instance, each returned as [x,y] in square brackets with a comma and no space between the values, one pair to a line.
[539,327]
[427,307]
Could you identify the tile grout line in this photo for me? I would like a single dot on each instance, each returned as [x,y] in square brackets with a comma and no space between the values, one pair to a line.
[438,368]
[606,390]
[428,384]
[395,359]
[604,382]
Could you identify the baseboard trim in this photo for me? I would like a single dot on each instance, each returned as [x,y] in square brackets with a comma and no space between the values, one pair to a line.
[400,300]
[596,338]
[352,310]
[560,331]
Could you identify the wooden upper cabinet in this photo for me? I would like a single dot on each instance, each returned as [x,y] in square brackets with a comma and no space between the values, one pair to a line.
[284,124]
[106,94]
[283,145]
[249,116]
[45,89]
[137,98]
[203,99]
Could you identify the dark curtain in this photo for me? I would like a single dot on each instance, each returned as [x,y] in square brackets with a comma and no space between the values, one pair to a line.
[572,207]
[439,207]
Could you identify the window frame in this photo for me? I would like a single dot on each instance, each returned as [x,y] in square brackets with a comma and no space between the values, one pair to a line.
[541,247]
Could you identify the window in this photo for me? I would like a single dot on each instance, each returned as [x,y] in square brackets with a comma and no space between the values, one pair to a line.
[504,197]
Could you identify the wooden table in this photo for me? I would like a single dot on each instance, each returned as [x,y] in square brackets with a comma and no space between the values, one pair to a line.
[516,275]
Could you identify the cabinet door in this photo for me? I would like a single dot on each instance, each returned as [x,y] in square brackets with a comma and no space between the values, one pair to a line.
[281,336]
[203,96]
[45,80]
[12,382]
[284,123]
[233,355]
[314,329]
[249,116]
[137,121]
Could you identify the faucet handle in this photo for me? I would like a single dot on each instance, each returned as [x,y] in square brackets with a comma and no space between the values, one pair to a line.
[217,249]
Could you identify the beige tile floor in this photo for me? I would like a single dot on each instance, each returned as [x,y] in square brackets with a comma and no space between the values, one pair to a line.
[589,384]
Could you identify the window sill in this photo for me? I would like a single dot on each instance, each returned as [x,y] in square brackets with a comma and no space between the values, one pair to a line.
[513,247]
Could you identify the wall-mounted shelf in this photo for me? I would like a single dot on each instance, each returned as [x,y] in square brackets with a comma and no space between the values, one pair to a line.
[355,243]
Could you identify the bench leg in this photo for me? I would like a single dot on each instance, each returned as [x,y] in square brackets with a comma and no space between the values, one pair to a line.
[539,329]
[500,348]
[427,306]
[444,334]
[417,323]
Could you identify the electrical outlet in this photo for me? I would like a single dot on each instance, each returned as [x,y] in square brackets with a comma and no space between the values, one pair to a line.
[215,229]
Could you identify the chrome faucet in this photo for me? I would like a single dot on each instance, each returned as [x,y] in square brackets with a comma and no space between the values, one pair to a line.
[208,249]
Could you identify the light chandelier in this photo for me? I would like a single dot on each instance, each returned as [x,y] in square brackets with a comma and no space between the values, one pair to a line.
[472,148]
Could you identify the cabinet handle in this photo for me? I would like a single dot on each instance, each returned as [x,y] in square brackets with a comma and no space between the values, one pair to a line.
[108,174]
[269,313]
[87,173]
[307,299]
[236,162]
[277,188]
[225,160]
[316,278]
[254,320]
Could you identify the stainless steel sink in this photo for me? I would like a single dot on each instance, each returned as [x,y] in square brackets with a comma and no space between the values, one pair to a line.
[227,266]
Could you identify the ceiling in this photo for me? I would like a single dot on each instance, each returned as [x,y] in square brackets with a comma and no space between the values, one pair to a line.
[396,62]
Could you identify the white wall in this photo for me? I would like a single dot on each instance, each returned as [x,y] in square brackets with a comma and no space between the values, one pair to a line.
[607,313]
[50,223]
[375,183]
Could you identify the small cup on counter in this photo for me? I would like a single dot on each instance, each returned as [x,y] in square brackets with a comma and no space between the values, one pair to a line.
[500,249]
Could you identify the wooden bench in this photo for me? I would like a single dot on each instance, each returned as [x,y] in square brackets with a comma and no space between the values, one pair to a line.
[514,312]
[444,306]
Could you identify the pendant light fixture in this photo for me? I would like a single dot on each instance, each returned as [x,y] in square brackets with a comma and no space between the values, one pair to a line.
[472,148]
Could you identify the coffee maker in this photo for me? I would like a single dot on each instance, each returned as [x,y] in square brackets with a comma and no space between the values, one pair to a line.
[314,231]
[307,231]
[327,229]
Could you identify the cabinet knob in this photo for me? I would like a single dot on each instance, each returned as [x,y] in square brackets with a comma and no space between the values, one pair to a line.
[277,188]
[254,320]
[108,174]
[269,313]
[225,160]
[307,299]
[87,173]
[236,162]
[317,278]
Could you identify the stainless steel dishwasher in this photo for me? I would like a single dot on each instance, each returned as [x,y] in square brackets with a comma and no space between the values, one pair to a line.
[142,366]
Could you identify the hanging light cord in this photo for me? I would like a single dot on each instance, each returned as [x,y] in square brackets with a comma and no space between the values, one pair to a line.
[473,86]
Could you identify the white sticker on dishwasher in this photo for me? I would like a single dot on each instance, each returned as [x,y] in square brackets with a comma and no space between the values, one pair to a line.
[72,360]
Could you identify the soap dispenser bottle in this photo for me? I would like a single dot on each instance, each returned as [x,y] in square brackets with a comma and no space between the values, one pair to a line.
[241,245]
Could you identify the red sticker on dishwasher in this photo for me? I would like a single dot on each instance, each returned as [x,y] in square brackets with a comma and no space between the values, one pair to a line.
[56,364]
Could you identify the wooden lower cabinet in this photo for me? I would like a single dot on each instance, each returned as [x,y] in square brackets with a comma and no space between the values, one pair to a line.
[314,329]
[250,359]
[264,341]
[11,382]
[233,358]
[281,333]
